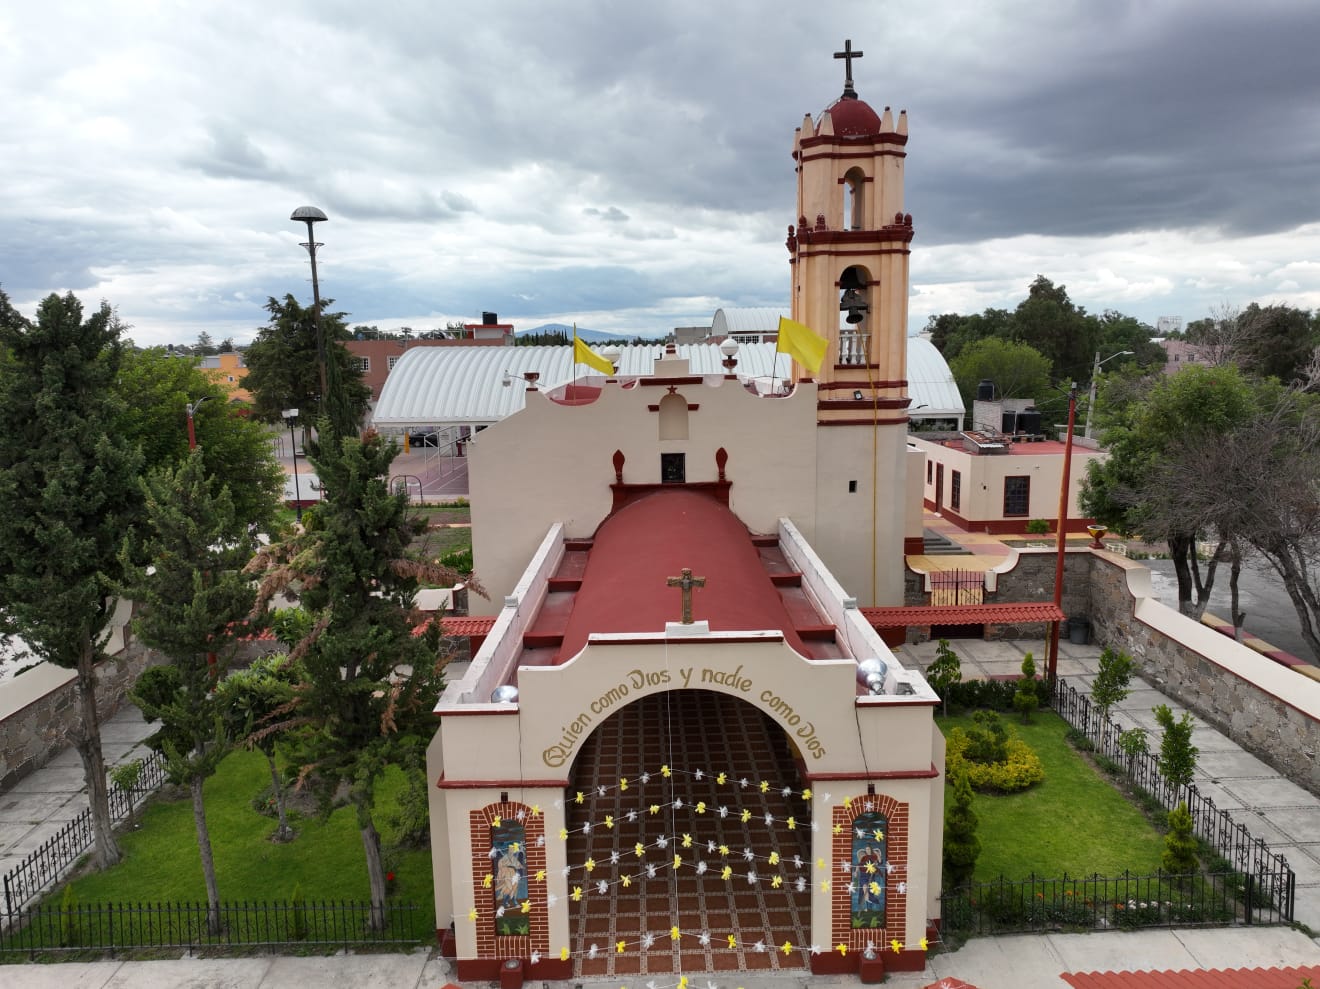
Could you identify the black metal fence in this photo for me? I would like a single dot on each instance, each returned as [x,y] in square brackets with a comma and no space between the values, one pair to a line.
[956,587]
[1268,873]
[1125,902]
[44,866]
[107,928]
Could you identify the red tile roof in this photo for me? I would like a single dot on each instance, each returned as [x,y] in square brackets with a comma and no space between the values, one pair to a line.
[967,614]
[640,546]
[467,625]
[1222,978]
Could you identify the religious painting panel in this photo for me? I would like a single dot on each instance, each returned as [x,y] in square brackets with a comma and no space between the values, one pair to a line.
[509,842]
[869,871]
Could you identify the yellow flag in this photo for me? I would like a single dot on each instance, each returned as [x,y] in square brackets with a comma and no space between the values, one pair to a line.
[582,354]
[802,344]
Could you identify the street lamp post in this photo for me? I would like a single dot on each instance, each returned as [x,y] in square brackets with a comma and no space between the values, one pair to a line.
[1090,402]
[191,408]
[311,215]
[289,415]
[1052,665]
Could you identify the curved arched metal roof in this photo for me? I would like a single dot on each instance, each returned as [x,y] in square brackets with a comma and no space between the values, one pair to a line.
[482,385]
[729,321]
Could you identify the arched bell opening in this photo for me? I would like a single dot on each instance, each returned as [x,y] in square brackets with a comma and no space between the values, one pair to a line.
[854,315]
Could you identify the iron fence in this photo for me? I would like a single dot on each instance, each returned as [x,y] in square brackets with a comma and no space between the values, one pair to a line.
[47,863]
[1269,873]
[1125,902]
[956,587]
[108,928]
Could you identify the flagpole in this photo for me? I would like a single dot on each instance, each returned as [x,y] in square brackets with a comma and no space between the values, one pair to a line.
[774,366]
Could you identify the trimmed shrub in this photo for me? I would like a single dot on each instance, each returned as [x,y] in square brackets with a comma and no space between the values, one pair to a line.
[1020,769]
[962,846]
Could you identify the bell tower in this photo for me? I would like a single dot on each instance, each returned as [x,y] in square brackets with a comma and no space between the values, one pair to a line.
[848,255]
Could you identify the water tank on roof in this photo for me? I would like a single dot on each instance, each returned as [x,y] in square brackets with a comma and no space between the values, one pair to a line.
[985,390]
[490,319]
[1009,423]
[1029,422]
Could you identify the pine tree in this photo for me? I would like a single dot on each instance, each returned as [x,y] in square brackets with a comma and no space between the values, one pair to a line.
[192,600]
[962,846]
[370,682]
[944,672]
[1177,759]
[68,490]
[1179,856]
[1111,680]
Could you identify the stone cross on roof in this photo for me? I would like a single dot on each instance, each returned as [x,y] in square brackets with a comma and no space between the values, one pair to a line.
[686,582]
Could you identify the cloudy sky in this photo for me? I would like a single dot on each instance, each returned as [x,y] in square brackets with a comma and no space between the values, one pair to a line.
[627,165]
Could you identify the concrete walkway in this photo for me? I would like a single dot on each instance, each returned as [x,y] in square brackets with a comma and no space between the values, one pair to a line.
[1285,815]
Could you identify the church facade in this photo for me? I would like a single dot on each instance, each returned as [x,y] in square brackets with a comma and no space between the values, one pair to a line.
[682,747]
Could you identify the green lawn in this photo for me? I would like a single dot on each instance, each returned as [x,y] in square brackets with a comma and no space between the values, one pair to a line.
[161,861]
[1073,822]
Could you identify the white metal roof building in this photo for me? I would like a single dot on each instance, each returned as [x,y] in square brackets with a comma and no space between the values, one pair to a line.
[477,386]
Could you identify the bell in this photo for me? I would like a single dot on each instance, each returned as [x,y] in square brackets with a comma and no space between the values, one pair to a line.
[854,316]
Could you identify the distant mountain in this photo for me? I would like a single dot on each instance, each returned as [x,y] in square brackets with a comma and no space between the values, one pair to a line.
[590,336]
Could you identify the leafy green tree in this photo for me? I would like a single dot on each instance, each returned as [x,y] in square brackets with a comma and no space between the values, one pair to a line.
[370,683]
[205,346]
[1133,742]
[1116,332]
[962,845]
[1018,371]
[951,333]
[192,601]
[1051,323]
[1276,341]
[257,702]
[1179,856]
[1146,432]
[283,370]
[1027,696]
[1112,680]
[944,672]
[68,489]
[1177,759]
[155,390]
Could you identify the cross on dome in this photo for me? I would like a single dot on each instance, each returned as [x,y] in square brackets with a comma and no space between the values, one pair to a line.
[685,583]
[849,93]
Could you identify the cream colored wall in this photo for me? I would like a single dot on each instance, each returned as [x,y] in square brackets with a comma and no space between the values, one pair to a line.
[552,463]
[983,480]
[914,524]
[846,520]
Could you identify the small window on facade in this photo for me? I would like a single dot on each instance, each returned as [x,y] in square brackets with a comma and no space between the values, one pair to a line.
[1017,496]
[955,491]
[390,363]
[363,364]
[929,468]
[673,468]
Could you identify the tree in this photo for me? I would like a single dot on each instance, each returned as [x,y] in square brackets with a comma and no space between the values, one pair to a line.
[1276,341]
[944,672]
[962,846]
[1018,371]
[370,683]
[1117,332]
[256,702]
[1111,680]
[192,602]
[283,370]
[155,390]
[68,490]
[205,346]
[1179,856]
[1027,696]
[1177,759]
[1048,321]
[1146,435]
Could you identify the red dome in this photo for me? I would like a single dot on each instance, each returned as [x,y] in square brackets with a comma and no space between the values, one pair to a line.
[853,118]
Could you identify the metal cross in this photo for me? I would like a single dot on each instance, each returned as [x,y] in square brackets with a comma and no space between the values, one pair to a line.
[848,55]
[686,582]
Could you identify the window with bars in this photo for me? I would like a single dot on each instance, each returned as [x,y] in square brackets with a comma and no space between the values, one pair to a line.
[955,491]
[390,362]
[363,364]
[1017,496]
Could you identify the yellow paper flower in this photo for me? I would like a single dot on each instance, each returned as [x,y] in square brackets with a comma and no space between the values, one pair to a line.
[495,821]
[925,945]
[701,806]
[838,829]
[792,824]
[678,860]
[619,946]
[654,808]
[527,906]
[673,933]
[486,880]
[765,786]
[806,794]
[609,821]
[875,889]
[824,885]
[720,779]
[733,941]
[472,914]
[896,945]
[726,872]
[664,771]
[879,835]
[787,947]
[540,875]
[777,881]
[724,851]
[687,841]
[563,834]
[626,880]
[774,858]
[623,783]
[847,803]
[640,849]
[513,846]
[820,863]
[563,954]
[589,865]
[536,810]
[682,982]
[870,868]
[577,894]
[746,815]
[842,949]
[579,798]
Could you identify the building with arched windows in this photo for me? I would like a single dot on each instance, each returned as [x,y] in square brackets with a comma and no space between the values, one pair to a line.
[682,746]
